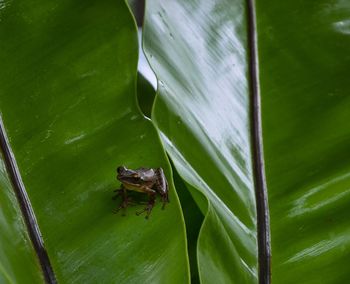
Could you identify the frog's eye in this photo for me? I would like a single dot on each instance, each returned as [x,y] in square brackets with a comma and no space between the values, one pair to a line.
[120,169]
[135,175]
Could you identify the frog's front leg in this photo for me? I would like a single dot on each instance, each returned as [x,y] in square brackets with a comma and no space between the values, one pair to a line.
[126,201]
[120,192]
[150,204]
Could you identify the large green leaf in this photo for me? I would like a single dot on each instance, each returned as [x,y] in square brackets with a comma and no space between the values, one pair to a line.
[67,98]
[304,61]
[198,52]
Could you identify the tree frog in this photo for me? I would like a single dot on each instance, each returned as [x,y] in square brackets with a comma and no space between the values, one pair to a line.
[146,180]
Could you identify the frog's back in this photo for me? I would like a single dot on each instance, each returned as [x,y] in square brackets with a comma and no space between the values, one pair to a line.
[147,174]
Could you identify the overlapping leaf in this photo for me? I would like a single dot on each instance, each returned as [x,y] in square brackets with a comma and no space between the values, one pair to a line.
[198,50]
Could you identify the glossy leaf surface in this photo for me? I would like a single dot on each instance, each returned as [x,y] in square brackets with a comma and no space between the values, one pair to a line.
[304,61]
[67,98]
[198,50]
[304,72]
[18,262]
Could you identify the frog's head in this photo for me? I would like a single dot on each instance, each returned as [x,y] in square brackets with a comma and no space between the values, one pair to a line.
[127,175]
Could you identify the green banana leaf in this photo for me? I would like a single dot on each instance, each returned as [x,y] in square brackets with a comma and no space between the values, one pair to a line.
[199,51]
[68,104]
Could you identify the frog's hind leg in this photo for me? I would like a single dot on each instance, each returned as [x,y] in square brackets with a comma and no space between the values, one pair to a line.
[162,187]
[165,199]
[149,207]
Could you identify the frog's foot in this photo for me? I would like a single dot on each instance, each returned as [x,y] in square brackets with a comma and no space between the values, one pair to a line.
[125,204]
[147,209]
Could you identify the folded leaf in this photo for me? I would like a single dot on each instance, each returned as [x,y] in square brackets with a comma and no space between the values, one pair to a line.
[198,50]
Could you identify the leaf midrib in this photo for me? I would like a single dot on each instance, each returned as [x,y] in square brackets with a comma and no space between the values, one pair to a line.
[26,207]
[263,218]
